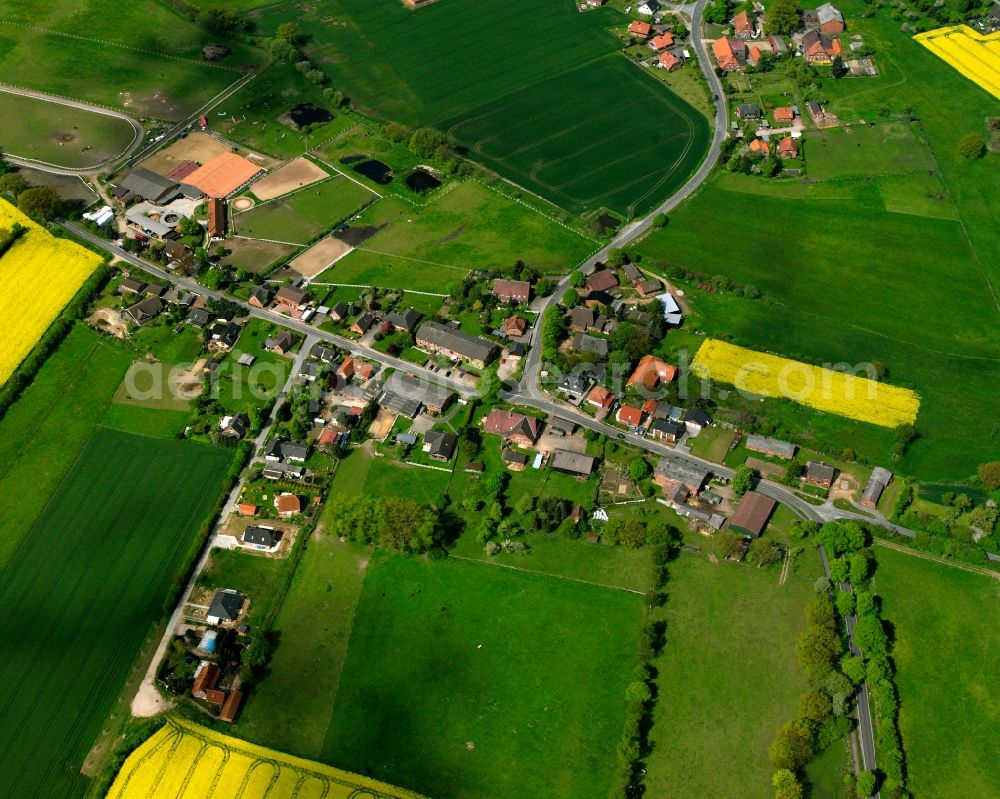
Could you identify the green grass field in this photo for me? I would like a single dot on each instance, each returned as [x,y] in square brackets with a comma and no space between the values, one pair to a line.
[81,593]
[469,227]
[251,114]
[728,676]
[302,216]
[59,134]
[43,432]
[947,656]
[313,629]
[542,96]
[835,267]
[141,56]
[466,680]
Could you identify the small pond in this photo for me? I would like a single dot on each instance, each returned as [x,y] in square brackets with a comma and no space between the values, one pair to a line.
[308,114]
[422,181]
[375,170]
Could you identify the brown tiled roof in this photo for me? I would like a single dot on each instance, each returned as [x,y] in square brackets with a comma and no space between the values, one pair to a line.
[752,514]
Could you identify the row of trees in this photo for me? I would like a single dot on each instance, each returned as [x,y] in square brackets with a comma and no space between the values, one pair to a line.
[641,691]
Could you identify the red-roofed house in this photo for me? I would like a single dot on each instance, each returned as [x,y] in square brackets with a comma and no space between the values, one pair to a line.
[327,438]
[346,369]
[662,41]
[760,147]
[363,369]
[522,430]
[248,509]
[600,397]
[641,29]
[787,148]
[729,53]
[207,678]
[754,55]
[669,61]
[629,416]
[287,504]
[820,49]
[743,27]
[784,113]
[652,371]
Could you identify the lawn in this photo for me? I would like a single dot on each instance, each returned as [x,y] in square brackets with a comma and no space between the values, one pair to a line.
[712,443]
[947,657]
[464,680]
[301,217]
[61,135]
[82,591]
[728,676]
[549,103]
[256,576]
[141,56]
[469,227]
[153,422]
[43,432]
[857,266]
[814,251]
[251,115]
[313,629]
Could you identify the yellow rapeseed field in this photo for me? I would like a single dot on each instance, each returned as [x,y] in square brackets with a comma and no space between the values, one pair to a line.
[974,55]
[185,761]
[39,275]
[824,389]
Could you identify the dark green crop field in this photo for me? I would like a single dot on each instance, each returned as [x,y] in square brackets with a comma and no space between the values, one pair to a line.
[82,591]
[538,92]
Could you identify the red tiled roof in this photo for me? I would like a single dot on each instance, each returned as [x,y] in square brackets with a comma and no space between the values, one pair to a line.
[287,503]
[600,396]
[629,415]
[224,174]
[639,28]
[503,423]
[760,146]
[787,148]
[669,60]
[650,371]
[248,509]
[663,40]
[602,281]
[181,171]
[784,114]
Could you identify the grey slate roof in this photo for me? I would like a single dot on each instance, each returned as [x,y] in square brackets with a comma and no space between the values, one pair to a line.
[260,536]
[445,337]
[150,186]
[440,444]
[572,462]
[226,604]
[688,473]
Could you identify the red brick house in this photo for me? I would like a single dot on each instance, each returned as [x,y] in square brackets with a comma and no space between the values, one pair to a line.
[514,427]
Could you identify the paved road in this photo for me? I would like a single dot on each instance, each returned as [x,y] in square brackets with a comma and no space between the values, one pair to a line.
[137,130]
[354,347]
[147,700]
[865,731]
[181,126]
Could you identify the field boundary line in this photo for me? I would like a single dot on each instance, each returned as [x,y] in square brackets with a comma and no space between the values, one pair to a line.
[533,208]
[344,174]
[269,241]
[143,50]
[968,567]
[414,260]
[548,574]
[280,197]
[390,288]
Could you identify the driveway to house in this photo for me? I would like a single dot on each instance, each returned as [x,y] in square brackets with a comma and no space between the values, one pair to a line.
[354,347]
[147,700]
